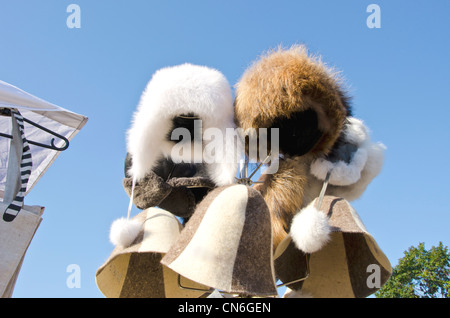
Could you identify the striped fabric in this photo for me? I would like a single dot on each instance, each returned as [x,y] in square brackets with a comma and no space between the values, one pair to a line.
[25,171]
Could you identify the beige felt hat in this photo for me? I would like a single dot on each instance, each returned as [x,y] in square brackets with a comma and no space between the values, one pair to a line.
[350,265]
[227,243]
[136,271]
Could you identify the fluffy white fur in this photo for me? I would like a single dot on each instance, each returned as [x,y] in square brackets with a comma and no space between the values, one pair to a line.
[342,173]
[375,159]
[356,132]
[367,159]
[124,231]
[174,91]
[310,229]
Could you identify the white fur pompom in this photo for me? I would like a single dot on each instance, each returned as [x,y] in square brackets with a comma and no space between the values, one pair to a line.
[123,232]
[310,230]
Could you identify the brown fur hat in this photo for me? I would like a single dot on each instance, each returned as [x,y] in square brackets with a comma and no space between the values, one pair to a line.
[296,92]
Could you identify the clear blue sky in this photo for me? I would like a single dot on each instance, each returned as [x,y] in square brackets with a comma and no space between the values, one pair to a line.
[398,75]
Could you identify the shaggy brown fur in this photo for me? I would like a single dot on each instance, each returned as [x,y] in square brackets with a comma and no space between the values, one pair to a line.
[283,193]
[284,82]
[293,88]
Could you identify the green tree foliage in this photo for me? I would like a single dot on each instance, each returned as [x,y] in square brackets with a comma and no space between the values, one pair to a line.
[420,273]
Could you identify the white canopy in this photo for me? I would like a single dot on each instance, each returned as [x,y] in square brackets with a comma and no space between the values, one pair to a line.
[43,113]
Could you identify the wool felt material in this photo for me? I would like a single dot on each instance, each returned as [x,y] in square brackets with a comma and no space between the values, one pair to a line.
[227,243]
[178,195]
[179,192]
[135,271]
[232,231]
[149,191]
[291,90]
[341,267]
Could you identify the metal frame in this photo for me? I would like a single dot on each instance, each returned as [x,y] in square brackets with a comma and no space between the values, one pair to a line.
[7,112]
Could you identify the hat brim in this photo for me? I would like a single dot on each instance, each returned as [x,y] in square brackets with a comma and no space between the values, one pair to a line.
[351,264]
[227,243]
[136,271]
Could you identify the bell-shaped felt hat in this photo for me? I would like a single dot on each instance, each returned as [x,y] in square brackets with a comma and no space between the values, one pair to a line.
[350,264]
[135,271]
[227,243]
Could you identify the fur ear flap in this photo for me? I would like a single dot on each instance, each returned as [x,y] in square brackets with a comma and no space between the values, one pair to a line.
[375,158]
[310,230]
[354,155]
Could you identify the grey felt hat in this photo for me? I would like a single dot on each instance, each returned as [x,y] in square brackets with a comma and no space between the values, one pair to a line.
[227,243]
[350,265]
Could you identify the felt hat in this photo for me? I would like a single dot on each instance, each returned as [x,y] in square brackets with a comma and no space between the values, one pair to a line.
[176,188]
[227,243]
[135,271]
[354,161]
[350,264]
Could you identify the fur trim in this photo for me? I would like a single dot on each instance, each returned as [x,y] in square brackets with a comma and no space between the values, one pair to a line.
[355,132]
[123,232]
[310,230]
[373,166]
[174,91]
[284,83]
[342,173]
[367,159]
[148,192]
[283,193]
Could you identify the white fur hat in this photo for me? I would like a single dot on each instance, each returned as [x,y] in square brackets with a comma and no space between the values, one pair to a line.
[200,91]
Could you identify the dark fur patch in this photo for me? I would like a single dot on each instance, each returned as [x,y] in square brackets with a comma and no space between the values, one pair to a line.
[167,169]
[183,121]
[299,133]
